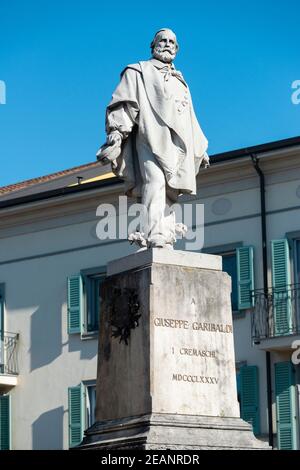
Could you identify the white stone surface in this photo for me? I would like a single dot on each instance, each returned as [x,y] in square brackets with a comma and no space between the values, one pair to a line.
[167,257]
[180,358]
[193,366]
[172,432]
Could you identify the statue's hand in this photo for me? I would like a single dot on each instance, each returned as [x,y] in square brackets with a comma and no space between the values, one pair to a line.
[100,158]
[110,151]
[114,138]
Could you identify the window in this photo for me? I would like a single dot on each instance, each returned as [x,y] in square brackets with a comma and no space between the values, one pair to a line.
[238,262]
[90,404]
[82,407]
[248,396]
[292,300]
[297,281]
[230,267]
[91,287]
[286,406]
[84,301]
[297,261]
[281,284]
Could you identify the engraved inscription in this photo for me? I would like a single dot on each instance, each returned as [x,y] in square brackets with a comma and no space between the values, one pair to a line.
[195,379]
[171,323]
[201,352]
[213,327]
[197,326]
[197,352]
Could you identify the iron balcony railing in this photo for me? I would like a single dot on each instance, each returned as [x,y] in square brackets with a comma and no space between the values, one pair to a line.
[276,312]
[8,353]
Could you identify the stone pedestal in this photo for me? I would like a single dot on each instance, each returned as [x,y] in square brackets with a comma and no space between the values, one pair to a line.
[166,368]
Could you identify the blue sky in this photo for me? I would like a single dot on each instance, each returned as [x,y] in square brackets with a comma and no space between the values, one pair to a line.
[61,59]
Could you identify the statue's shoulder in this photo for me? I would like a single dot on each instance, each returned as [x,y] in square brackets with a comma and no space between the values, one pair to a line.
[135,67]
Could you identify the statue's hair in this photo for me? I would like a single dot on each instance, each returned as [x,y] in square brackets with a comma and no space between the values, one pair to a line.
[152,45]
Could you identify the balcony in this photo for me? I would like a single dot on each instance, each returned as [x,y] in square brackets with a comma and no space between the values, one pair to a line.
[276,317]
[8,361]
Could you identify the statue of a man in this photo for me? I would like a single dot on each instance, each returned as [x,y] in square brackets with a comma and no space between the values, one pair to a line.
[154,141]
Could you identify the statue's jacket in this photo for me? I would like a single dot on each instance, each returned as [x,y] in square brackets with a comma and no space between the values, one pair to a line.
[143,108]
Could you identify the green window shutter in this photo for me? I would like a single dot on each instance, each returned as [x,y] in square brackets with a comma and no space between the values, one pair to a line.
[77,414]
[281,280]
[5,422]
[285,405]
[229,266]
[75,304]
[249,393]
[244,259]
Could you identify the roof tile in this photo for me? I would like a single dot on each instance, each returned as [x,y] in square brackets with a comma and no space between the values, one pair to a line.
[42,179]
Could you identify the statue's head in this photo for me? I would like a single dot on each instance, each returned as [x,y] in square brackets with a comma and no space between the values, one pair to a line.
[164,46]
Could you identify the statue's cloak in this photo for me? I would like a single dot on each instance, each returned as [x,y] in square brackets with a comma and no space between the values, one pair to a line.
[177,144]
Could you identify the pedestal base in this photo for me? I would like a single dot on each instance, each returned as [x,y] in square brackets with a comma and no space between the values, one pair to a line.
[173,432]
[166,370]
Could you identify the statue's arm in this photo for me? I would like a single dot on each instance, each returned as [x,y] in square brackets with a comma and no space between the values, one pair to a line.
[121,115]
[200,139]
[120,121]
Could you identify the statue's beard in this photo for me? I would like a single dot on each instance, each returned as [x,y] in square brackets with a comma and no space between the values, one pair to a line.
[163,55]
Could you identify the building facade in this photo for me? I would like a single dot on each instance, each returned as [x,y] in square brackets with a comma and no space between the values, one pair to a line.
[52,263]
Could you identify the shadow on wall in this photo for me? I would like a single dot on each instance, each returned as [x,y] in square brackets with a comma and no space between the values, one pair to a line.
[45,333]
[42,438]
[46,329]
[90,349]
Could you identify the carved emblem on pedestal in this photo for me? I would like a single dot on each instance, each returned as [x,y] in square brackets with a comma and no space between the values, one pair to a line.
[124,313]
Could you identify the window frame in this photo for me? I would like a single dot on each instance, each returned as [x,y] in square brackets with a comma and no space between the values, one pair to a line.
[294,238]
[89,276]
[89,384]
[297,260]
[233,253]
[223,250]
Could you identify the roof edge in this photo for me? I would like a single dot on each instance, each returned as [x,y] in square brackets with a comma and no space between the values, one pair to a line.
[217,158]
[58,192]
[262,148]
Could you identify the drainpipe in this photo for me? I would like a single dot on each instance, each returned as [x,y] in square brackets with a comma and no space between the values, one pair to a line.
[261,175]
